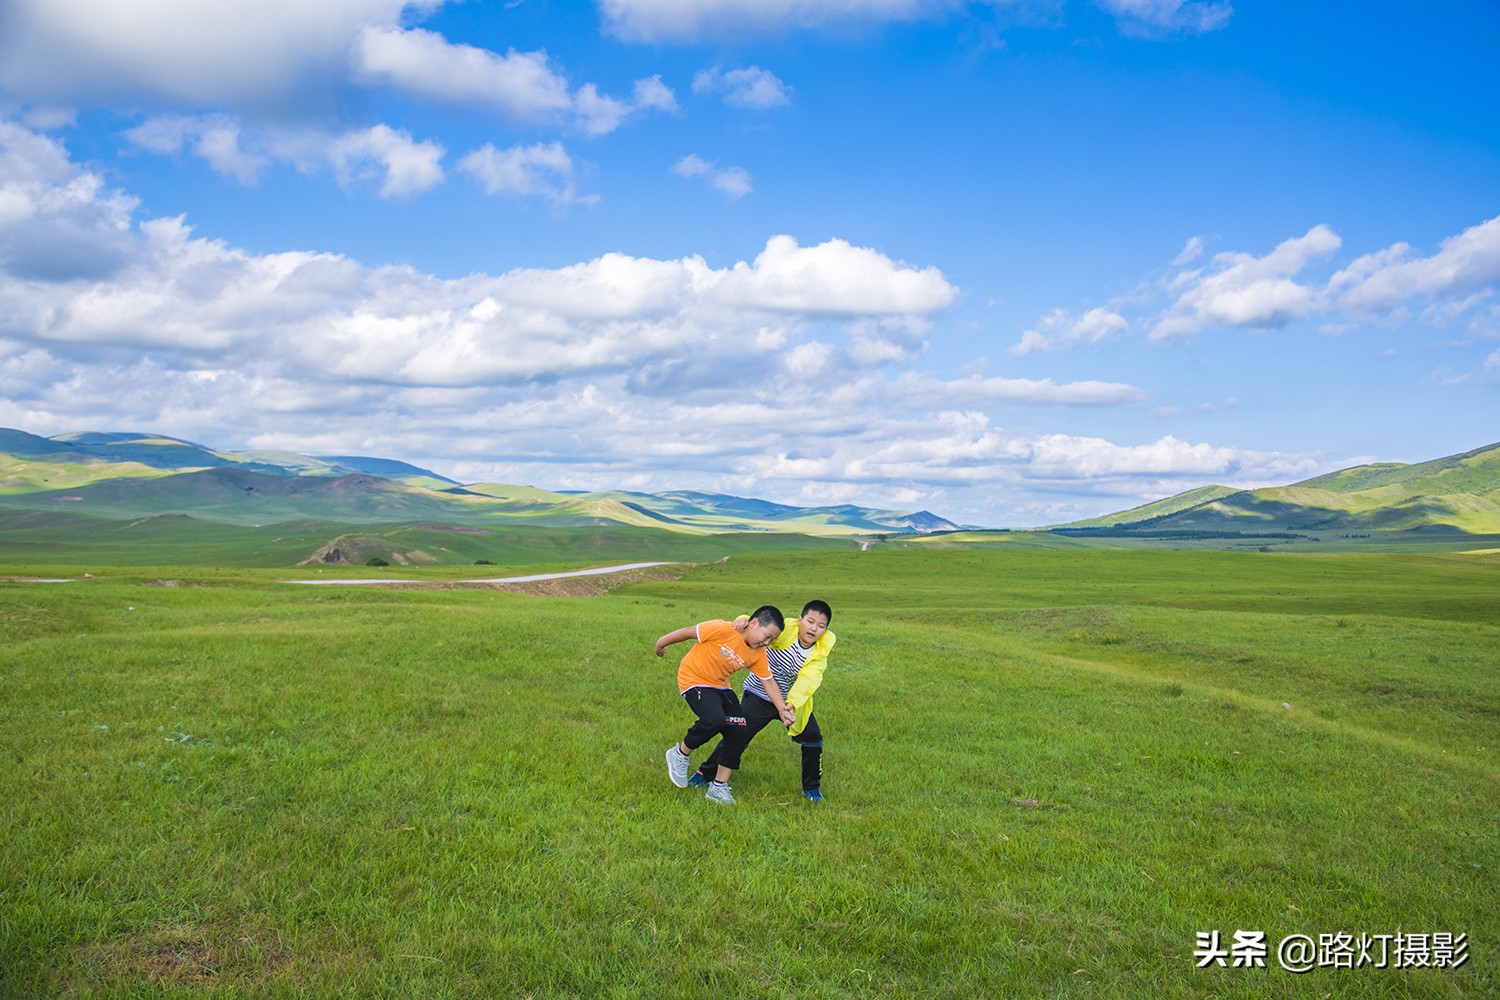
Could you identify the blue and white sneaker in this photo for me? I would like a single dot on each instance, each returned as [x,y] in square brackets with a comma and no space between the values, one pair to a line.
[677,766]
[697,780]
[719,792]
[812,794]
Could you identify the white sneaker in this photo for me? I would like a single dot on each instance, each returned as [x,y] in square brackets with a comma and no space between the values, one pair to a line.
[677,766]
[719,793]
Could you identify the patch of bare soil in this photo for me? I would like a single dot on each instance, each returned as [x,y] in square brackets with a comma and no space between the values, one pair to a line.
[192,955]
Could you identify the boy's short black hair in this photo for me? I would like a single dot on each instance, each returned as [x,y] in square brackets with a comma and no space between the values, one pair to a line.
[770,614]
[819,606]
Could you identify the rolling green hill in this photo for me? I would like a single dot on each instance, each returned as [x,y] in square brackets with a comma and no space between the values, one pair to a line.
[101,450]
[130,477]
[1457,494]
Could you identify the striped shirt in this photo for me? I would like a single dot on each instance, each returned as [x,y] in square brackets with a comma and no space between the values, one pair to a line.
[784,664]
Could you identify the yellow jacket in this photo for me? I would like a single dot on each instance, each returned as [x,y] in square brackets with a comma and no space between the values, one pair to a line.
[809,677]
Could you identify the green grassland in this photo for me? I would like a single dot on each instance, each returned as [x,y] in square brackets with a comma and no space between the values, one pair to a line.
[1047,772]
[80,543]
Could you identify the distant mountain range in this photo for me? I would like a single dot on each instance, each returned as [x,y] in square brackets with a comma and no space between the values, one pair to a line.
[124,477]
[128,475]
[1456,494]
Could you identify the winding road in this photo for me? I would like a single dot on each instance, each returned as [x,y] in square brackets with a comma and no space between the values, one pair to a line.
[495,579]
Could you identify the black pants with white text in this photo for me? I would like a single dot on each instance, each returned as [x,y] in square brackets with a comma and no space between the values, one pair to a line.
[718,712]
[759,713]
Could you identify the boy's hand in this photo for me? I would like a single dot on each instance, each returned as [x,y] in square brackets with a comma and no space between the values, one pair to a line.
[788,715]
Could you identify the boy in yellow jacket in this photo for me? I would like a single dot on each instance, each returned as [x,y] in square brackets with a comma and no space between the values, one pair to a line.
[797,659]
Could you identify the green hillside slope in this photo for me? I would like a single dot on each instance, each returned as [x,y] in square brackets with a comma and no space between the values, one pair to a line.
[1476,471]
[1458,493]
[1156,509]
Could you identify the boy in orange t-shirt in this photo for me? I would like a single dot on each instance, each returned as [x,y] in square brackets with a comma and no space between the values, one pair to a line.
[721,649]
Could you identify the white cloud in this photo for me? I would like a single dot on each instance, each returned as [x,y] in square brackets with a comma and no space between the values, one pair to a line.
[1388,278]
[1060,329]
[793,368]
[1242,290]
[1191,251]
[690,20]
[423,62]
[192,53]
[1066,456]
[592,369]
[56,223]
[1171,16]
[974,391]
[520,84]
[543,169]
[834,278]
[698,20]
[733,182]
[216,139]
[652,93]
[749,87]
[409,167]
[404,165]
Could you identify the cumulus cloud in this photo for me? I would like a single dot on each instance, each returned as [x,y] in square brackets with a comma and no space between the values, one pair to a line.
[423,62]
[1060,329]
[834,278]
[229,51]
[1388,278]
[56,223]
[571,377]
[173,290]
[543,169]
[1243,290]
[749,87]
[216,138]
[408,167]
[249,56]
[732,182]
[1067,456]
[522,85]
[1301,280]
[592,369]
[404,165]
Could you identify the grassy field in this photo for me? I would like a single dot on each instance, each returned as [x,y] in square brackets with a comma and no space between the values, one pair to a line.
[1047,773]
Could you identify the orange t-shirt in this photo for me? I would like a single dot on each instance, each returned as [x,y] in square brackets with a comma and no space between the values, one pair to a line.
[719,652]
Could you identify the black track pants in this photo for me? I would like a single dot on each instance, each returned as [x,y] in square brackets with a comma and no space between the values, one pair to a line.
[718,711]
[759,713]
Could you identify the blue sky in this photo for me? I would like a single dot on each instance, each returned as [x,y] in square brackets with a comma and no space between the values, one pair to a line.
[1016,262]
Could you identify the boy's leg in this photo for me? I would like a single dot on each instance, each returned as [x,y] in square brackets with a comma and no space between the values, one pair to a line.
[712,707]
[811,740]
[709,767]
[709,705]
[758,713]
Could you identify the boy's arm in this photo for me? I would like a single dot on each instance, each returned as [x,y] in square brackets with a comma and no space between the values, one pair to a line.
[681,635]
[811,674]
[773,691]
